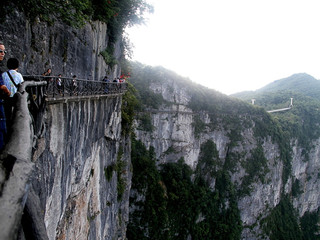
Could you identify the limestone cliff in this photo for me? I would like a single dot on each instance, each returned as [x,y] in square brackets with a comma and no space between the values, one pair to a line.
[82,177]
[82,162]
[83,170]
[175,132]
[68,51]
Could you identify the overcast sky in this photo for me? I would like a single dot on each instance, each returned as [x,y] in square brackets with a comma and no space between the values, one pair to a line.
[231,45]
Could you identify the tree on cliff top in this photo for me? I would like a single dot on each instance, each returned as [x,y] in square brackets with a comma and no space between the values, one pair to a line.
[116,13]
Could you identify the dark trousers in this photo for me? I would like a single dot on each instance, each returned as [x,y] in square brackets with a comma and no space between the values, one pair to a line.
[3,125]
[8,109]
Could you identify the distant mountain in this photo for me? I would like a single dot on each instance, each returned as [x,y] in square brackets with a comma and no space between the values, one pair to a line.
[301,83]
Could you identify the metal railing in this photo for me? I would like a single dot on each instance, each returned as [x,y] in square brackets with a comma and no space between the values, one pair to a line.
[67,87]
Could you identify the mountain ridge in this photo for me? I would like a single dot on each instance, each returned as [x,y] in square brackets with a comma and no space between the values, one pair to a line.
[302,83]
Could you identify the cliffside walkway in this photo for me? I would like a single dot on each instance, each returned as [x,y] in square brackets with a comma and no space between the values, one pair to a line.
[62,87]
[17,167]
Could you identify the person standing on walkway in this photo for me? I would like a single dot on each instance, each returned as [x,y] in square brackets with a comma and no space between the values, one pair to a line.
[4,93]
[59,84]
[74,85]
[47,73]
[12,79]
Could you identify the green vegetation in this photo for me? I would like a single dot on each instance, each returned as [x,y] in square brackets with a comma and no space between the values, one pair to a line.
[120,168]
[296,190]
[309,223]
[108,171]
[145,122]
[108,56]
[170,150]
[188,204]
[129,105]
[301,83]
[232,114]
[116,13]
[198,126]
[175,206]
[142,76]
[256,169]
[301,122]
[209,161]
[149,220]
[283,223]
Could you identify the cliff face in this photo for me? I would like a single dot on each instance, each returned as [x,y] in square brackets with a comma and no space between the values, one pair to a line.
[66,50]
[82,162]
[306,173]
[173,136]
[83,169]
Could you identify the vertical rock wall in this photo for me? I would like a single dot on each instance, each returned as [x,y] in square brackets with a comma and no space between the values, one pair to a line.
[66,50]
[82,161]
[79,196]
[173,136]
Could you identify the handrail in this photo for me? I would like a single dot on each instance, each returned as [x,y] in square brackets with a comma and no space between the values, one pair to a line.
[59,87]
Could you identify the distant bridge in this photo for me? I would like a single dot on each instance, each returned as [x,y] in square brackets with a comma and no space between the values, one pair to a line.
[280,109]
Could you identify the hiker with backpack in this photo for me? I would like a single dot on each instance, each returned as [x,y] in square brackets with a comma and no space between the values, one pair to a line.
[12,79]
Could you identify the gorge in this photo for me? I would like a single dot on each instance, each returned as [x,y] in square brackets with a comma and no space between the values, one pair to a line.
[195,164]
